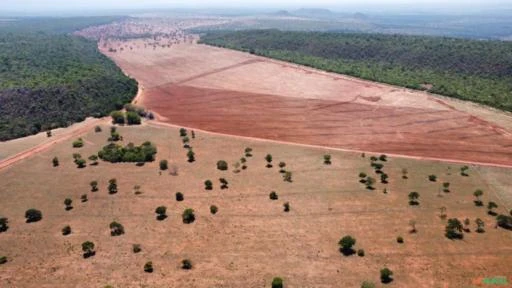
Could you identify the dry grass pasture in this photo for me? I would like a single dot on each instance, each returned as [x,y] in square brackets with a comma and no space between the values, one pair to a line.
[237,93]
[250,240]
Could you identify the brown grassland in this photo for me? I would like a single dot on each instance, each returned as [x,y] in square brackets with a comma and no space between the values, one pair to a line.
[250,240]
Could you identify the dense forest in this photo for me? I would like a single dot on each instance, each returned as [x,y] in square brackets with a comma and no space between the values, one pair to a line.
[49,79]
[479,71]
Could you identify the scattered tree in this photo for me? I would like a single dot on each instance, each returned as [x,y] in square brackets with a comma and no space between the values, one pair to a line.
[94,159]
[478,193]
[432,178]
[179,196]
[78,143]
[286,207]
[453,229]
[360,252]
[490,206]
[148,267]
[132,118]
[466,225]
[413,198]
[385,275]
[55,161]
[362,177]
[3,260]
[412,223]
[193,134]
[186,264]
[208,185]
[88,249]
[94,186]
[223,183]
[367,284]
[186,142]
[49,133]
[117,117]
[84,198]
[243,161]
[112,186]
[68,202]
[273,195]
[400,239]
[442,211]
[446,187]
[327,159]
[248,152]
[479,225]
[464,171]
[80,163]
[222,165]
[183,132]
[97,129]
[504,221]
[188,216]
[268,158]
[384,178]
[277,282]
[161,213]
[66,230]
[287,176]
[369,183]
[214,209]
[383,157]
[136,248]
[116,229]
[191,156]
[281,166]
[404,173]
[164,165]
[346,244]
[4,224]
[33,215]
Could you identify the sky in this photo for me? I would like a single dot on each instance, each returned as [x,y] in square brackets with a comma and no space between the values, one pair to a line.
[69,5]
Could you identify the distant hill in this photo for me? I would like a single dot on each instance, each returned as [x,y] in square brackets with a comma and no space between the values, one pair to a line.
[282,13]
[314,12]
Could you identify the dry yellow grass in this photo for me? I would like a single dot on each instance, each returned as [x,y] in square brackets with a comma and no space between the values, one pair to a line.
[250,240]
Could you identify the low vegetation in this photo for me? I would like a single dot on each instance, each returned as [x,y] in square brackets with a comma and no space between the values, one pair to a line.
[130,153]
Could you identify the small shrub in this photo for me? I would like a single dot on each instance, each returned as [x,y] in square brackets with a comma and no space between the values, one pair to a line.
[369,183]
[404,173]
[281,166]
[400,239]
[3,260]
[413,198]
[80,163]
[186,264]
[66,230]
[222,165]
[446,187]
[132,118]
[148,267]
[161,213]
[49,133]
[183,132]
[490,206]
[385,275]
[248,152]
[33,215]
[504,221]
[136,248]
[287,177]
[360,252]
[78,143]
[164,165]
[179,196]
[55,162]
[223,183]
[384,178]
[112,186]
[94,186]
[367,284]
[480,225]
[94,160]
[208,185]
[277,282]
[116,229]
[478,193]
[362,175]
[453,229]
[273,195]
[136,190]
[97,129]
[88,249]
[214,209]
[286,207]
[383,158]
[432,178]
[268,158]
[84,198]
[327,159]
[117,117]
[191,156]
[188,216]
[464,171]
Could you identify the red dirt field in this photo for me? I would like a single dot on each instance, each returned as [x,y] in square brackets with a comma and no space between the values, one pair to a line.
[236,93]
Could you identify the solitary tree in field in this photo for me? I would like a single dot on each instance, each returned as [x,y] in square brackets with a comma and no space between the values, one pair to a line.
[479,225]
[453,229]
[33,215]
[66,230]
[88,249]
[287,177]
[268,158]
[478,193]
[179,196]
[248,152]
[223,183]
[385,275]
[277,282]
[68,203]
[94,186]
[273,195]
[346,244]
[369,183]
[208,185]
[161,213]
[3,260]
[286,207]
[244,163]
[164,165]
[213,209]
[84,198]
[186,264]
[55,161]
[432,178]
[183,132]
[4,224]
[222,165]
[185,141]
[413,198]
[112,186]
[446,187]
[188,216]
[148,267]
[116,229]
[464,171]
[136,248]
[327,159]
[281,166]
[191,156]
[490,206]
[404,173]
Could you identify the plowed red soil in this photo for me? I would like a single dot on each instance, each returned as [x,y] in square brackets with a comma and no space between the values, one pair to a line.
[235,93]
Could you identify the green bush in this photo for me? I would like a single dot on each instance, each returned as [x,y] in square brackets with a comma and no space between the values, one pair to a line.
[273,195]
[367,284]
[55,161]
[112,186]
[94,186]
[66,230]
[84,198]
[148,267]
[327,159]
[208,185]
[4,224]
[3,260]
[400,239]
[130,153]
[385,275]
[68,202]
[360,252]
[223,183]
[136,248]
[214,209]
[346,244]
[78,143]
[188,216]
[88,249]
[117,117]
[116,229]
[179,196]
[432,178]
[97,129]
[161,213]
[164,165]
[277,282]
[222,165]
[132,118]
[286,207]
[186,264]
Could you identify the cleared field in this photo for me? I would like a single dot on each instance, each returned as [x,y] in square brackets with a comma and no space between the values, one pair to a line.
[236,93]
[250,240]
